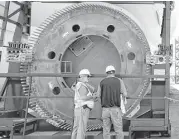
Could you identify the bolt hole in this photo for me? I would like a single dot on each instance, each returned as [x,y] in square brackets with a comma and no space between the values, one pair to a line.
[161,59]
[131,56]
[76,28]
[51,55]
[83,48]
[56,90]
[110,28]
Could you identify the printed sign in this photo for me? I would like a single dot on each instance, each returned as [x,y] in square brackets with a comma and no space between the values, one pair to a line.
[159,72]
[19,52]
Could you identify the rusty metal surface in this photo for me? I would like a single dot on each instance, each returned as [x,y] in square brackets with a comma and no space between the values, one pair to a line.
[112,37]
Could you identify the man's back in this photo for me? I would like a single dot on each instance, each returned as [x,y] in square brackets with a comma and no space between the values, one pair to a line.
[110,92]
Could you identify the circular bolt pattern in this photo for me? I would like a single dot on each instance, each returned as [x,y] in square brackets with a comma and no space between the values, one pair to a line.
[56,90]
[131,56]
[110,28]
[76,28]
[51,55]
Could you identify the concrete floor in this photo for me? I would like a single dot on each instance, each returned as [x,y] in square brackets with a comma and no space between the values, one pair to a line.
[174,118]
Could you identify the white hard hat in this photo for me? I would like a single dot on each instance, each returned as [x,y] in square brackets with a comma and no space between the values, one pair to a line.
[84,72]
[110,68]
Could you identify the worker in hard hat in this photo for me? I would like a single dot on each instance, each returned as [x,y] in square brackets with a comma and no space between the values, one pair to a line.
[83,104]
[109,91]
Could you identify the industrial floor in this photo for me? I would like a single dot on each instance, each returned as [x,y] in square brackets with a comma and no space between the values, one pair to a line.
[174,119]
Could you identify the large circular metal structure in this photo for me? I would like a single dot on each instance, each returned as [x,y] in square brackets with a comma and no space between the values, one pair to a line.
[86,35]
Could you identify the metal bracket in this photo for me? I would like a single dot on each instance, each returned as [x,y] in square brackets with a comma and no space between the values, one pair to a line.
[162,50]
[4,87]
[157,59]
[15,12]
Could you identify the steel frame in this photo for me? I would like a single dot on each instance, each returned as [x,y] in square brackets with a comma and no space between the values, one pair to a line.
[111,2]
[6,17]
[20,75]
[27,106]
[177,61]
[146,98]
[166,42]
[18,35]
[4,87]
[4,24]
[165,34]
